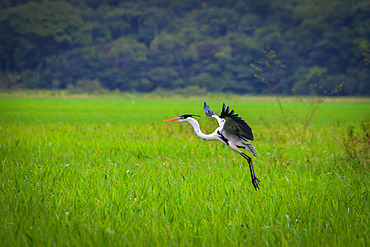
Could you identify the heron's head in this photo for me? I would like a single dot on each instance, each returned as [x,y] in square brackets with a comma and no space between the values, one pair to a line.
[183,118]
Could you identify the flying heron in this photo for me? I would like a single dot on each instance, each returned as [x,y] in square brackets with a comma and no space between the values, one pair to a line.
[233,131]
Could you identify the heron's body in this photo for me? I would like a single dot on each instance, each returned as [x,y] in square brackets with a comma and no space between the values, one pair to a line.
[220,135]
[232,131]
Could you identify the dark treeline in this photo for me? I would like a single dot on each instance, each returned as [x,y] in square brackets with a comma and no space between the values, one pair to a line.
[144,45]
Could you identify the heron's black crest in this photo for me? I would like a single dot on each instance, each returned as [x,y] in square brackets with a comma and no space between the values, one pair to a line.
[188,115]
[237,125]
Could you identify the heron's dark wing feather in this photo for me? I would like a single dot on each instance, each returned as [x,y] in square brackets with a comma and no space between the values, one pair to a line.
[236,125]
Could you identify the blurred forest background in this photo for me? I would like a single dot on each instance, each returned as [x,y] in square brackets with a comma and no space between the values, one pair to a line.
[194,45]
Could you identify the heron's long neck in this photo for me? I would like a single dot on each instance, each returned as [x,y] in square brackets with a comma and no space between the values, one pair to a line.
[198,132]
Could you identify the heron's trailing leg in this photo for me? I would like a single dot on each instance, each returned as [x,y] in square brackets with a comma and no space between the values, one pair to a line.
[255,180]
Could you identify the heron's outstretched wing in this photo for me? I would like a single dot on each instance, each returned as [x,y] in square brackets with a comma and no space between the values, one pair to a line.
[210,113]
[208,110]
[236,125]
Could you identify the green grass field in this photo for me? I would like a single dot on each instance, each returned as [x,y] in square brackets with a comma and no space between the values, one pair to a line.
[98,172]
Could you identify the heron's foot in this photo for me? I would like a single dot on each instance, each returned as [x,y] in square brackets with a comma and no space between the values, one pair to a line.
[256,182]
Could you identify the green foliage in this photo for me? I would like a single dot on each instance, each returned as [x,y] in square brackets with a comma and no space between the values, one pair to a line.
[129,50]
[111,172]
[38,29]
[124,43]
[87,86]
[307,77]
[366,51]
[356,143]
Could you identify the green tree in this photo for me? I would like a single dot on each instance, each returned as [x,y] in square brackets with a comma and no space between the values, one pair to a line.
[127,52]
[35,30]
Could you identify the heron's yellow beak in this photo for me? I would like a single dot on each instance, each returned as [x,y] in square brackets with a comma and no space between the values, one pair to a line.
[172,119]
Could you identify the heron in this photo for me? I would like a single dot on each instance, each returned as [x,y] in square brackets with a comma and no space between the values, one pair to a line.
[233,131]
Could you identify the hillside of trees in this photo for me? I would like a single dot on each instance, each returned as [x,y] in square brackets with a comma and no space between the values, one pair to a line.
[216,45]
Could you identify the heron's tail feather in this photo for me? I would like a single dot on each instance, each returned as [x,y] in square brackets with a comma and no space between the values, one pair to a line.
[250,149]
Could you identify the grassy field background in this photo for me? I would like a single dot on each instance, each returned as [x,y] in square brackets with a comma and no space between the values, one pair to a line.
[101,171]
